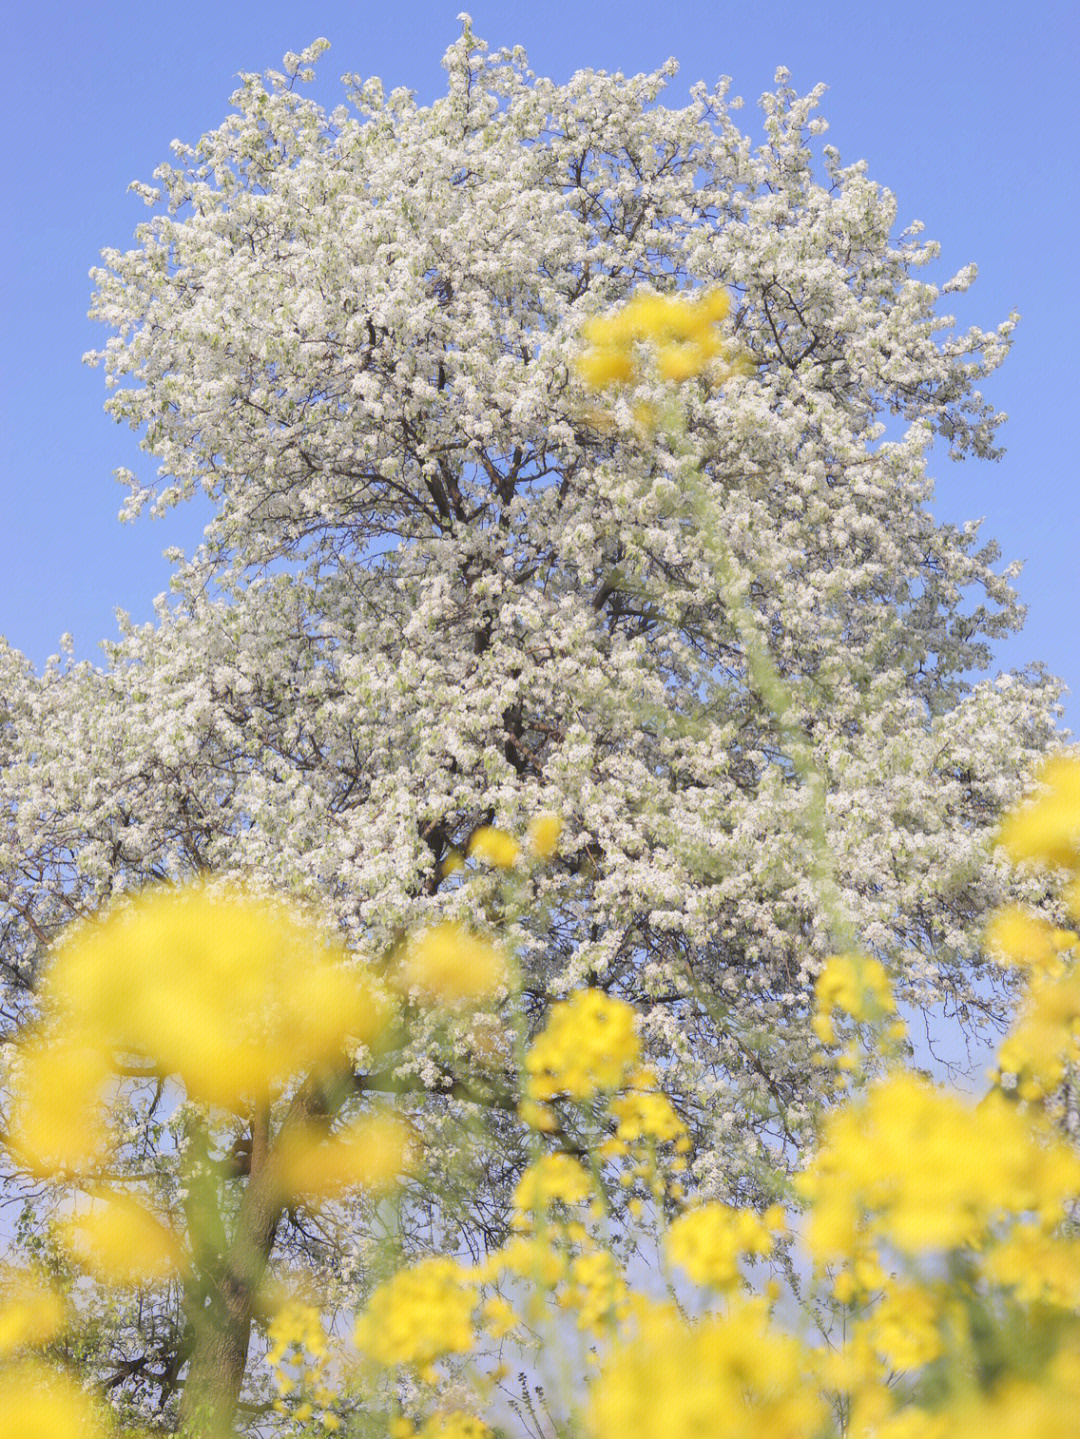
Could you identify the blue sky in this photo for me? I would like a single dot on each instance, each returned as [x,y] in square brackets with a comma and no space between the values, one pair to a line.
[965,111]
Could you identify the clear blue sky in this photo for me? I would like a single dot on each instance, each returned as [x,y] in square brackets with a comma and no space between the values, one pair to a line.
[966,111]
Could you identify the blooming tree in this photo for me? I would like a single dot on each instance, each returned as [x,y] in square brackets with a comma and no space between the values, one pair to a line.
[704,617]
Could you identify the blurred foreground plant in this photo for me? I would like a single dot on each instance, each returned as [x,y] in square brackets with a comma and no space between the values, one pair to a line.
[941,1234]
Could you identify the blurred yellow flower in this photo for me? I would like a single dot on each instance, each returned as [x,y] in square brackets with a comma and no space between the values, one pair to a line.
[297,1338]
[447,964]
[419,1315]
[707,1242]
[552,1177]
[120,1242]
[537,1116]
[31,1313]
[231,993]
[713,1379]
[1046,1037]
[57,1122]
[905,1326]
[596,1291]
[1047,829]
[645,1116]
[543,835]
[38,1403]
[680,328]
[589,1045]
[371,1154]
[856,984]
[1017,937]
[494,847]
[925,1171]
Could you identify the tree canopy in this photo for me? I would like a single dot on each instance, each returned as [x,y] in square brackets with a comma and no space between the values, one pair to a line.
[448,587]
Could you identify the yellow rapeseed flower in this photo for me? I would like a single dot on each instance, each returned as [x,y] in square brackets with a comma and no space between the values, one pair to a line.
[494,847]
[596,1291]
[231,993]
[543,835]
[589,1046]
[680,329]
[420,1315]
[371,1154]
[905,1328]
[120,1242]
[1047,830]
[1024,939]
[57,1122]
[38,1403]
[856,984]
[447,964]
[1045,1038]
[537,1116]
[31,1313]
[645,1116]
[926,1171]
[712,1379]
[553,1177]
[708,1242]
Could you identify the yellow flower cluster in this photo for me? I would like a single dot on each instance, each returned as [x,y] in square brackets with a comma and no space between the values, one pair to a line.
[31,1312]
[925,1171]
[646,1122]
[38,1403]
[945,1229]
[682,333]
[588,1046]
[495,847]
[596,1291]
[1046,1041]
[905,1328]
[1047,831]
[450,966]
[554,1178]
[543,835]
[718,1377]
[855,984]
[121,1243]
[230,994]
[1016,937]
[708,1241]
[298,1341]
[371,1154]
[645,1114]
[419,1315]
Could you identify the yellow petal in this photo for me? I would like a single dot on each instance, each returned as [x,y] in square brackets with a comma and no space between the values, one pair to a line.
[231,992]
[38,1403]
[600,368]
[1048,829]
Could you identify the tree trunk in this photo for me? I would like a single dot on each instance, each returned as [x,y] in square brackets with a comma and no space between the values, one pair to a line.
[222,1319]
